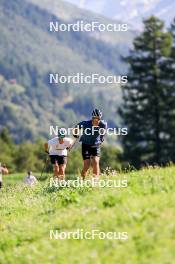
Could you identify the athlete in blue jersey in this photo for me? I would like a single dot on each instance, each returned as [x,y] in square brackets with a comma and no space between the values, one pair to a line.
[92,136]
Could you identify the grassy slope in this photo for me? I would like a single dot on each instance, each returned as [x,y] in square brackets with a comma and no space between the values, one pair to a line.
[145,210]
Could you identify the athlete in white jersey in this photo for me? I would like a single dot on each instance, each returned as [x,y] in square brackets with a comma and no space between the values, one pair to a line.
[57,148]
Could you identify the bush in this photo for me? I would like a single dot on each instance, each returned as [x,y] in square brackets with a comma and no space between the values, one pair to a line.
[31,156]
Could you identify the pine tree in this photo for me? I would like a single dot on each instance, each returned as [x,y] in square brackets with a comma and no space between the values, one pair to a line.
[5,136]
[172,31]
[168,73]
[145,97]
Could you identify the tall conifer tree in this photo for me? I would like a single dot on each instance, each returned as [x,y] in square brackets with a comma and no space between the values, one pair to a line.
[168,73]
[146,97]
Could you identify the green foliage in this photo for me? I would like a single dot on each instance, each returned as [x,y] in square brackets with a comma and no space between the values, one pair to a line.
[75,162]
[146,213]
[30,156]
[110,201]
[29,52]
[110,158]
[5,137]
[148,109]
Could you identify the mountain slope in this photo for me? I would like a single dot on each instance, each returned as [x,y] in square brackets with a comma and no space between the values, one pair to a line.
[130,11]
[71,13]
[29,52]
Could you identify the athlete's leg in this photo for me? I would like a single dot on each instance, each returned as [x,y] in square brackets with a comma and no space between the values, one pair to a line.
[54,161]
[56,169]
[62,169]
[86,159]
[96,166]
[85,169]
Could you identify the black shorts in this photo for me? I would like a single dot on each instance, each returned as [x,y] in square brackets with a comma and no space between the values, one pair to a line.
[89,150]
[59,159]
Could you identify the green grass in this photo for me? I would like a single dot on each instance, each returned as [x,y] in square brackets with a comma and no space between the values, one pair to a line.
[145,210]
[16,178]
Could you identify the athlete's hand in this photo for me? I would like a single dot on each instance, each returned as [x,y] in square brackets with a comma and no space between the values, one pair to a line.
[75,136]
[75,132]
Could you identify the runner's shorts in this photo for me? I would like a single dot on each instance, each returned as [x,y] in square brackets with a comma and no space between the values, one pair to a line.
[59,159]
[89,150]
